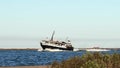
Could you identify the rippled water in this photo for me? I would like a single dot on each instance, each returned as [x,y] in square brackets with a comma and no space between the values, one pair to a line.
[34,57]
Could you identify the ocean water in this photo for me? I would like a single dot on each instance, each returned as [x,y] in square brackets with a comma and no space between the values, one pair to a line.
[34,57]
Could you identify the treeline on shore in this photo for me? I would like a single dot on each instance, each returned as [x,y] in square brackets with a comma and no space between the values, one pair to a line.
[90,60]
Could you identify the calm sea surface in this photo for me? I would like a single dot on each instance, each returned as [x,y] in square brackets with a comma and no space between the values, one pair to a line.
[34,57]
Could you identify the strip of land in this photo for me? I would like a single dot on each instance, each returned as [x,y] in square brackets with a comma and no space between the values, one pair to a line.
[41,49]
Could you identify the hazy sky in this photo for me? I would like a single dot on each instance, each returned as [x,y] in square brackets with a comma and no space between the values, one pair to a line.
[96,19]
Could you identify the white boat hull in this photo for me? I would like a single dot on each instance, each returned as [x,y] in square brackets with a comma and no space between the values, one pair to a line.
[50,47]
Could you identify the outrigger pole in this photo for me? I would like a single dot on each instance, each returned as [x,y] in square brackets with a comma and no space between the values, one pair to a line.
[52,36]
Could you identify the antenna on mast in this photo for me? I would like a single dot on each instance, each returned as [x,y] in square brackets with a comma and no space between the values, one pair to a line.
[52,36]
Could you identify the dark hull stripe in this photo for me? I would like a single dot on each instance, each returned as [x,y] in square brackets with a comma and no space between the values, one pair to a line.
[52,47]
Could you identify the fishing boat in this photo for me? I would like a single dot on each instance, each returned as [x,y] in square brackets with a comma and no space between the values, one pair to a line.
[52,45]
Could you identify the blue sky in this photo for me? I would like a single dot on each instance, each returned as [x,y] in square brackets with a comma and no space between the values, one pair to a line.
[96,19]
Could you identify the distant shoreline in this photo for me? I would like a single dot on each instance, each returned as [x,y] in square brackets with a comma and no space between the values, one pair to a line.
[40,48]
[19,48]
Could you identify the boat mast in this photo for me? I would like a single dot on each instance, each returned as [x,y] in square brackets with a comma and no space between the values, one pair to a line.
[52,36]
